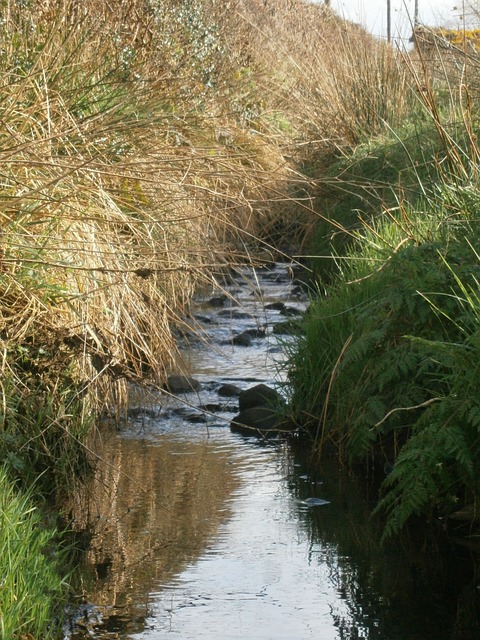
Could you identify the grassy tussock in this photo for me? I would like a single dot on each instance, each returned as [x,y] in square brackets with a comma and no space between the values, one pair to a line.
[392,346]
[119,197]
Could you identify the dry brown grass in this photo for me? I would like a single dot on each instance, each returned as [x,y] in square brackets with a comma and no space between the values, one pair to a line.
[336,83]
[119,195]
[147,145]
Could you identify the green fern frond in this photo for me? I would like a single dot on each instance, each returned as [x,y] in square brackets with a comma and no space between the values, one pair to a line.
[473,416]
[363,345]
[361,435]
[410,487]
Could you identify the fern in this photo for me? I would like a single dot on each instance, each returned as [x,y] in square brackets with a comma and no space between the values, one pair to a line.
[363,346]
[417,478]
[407,384]
[397,363]
[437,466]
[361,434]
[473,416]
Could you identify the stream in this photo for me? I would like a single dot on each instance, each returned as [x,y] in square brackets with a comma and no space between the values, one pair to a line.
[193,531]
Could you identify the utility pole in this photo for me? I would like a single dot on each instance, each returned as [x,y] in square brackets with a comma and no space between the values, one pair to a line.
[415,15]
[389,20]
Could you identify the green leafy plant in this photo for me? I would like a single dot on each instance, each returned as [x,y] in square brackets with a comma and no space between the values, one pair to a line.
[31,589]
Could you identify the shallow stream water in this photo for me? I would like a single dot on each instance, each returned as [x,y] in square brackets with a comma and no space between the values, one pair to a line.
[200,533]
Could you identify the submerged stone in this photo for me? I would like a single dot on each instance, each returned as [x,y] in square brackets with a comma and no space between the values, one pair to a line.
[255,421]
[234,314]
[182,384]
[242,339]
[256,333]
[201,318]
[259,411]
[291,311]
[228,390]
[275,306]
[218,301]
[143,412]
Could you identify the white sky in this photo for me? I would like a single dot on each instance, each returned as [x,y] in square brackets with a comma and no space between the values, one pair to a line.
[373,13]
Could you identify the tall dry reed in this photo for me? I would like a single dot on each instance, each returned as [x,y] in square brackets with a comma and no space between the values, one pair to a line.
[336,82]
[123,188]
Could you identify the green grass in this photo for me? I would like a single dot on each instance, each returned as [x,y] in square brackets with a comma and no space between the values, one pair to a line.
[386,373]
[31,587]
[404,167]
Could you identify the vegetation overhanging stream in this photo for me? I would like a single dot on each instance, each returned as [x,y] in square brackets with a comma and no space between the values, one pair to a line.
[149,149]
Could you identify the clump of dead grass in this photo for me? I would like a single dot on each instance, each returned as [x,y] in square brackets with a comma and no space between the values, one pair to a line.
[122,188]
[337,83]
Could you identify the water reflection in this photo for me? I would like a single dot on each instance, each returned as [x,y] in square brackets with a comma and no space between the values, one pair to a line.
[411,589]
[255,579]
[150,510]
[210,538]
[202,534]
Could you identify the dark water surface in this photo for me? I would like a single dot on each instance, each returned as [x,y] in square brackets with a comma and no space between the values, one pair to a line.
[199,533]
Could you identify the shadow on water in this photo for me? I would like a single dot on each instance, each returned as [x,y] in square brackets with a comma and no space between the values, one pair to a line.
[203,534]
[418,587]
